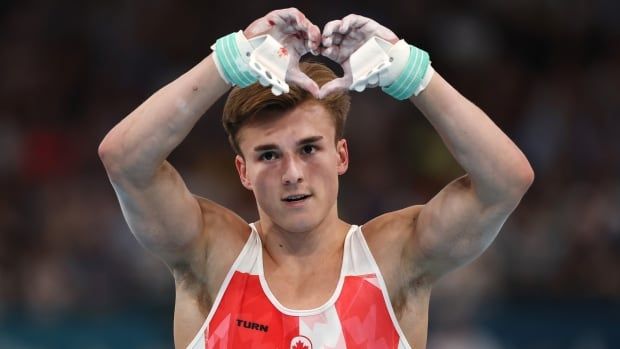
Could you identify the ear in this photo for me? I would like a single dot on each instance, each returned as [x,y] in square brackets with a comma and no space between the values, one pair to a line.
[242,171]
[342,149]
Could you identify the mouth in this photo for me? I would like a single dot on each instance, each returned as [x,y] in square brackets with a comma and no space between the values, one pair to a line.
[296,198]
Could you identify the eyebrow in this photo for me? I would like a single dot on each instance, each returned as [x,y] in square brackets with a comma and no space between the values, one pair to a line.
[271,146]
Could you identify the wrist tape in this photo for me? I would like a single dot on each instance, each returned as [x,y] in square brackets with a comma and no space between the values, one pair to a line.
[242,62]
[414,78]
[402,70]
[232,64]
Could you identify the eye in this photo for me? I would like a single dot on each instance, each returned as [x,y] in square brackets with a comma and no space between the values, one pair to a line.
[308,149]
[268,156]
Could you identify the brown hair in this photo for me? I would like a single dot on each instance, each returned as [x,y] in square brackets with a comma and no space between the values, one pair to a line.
[243,104]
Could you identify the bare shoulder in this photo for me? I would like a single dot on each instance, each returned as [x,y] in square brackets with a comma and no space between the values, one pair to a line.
[223,237]
[392,227]
[391,238]
[219,220]
[198,282]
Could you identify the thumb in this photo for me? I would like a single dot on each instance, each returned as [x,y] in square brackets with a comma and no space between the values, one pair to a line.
[336,85]
[302,80]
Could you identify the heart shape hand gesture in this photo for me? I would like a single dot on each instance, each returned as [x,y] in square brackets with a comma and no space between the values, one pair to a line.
[298,36]
[341,38]
[338,41]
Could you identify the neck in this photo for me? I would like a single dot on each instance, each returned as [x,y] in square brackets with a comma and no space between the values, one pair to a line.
[326,239]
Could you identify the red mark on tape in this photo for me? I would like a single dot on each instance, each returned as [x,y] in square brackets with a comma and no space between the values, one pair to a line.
[282,52]
[272,22]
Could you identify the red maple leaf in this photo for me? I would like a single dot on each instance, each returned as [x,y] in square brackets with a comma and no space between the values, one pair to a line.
[299,345]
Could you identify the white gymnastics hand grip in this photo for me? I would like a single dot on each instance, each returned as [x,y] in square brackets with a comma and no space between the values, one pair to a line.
[377,63]
[269,61]
[367,62]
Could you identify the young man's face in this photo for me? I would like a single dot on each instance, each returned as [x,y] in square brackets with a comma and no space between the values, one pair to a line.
[292,165]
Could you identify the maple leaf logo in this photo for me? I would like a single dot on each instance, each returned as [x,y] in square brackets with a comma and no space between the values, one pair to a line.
[301,342]
[299,345]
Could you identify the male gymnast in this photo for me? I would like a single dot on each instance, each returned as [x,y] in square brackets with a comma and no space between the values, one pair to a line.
[301,277]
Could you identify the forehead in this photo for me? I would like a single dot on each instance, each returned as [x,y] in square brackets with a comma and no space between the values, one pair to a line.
[279,127]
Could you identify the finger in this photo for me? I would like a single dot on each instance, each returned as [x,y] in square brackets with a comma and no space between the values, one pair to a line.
[346,67]
[329,28]
[337,39]
[360,28]
[292,19]
[311,36]
[295,23]
[301,23]
[284,22]
[302,80]
[278,17]
[344,26]
[327,41]
[334,40]
[332,52]
[314,38]
[351,22]
[271,23]
[257,27]
[336,85]
[300,48]
[288,14]
[313,47]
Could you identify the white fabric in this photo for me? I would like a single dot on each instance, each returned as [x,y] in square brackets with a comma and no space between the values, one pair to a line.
[265,57]
[399,55]
[269,61]
[377,62]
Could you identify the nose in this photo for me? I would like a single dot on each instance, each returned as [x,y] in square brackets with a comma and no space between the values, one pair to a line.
[292,171]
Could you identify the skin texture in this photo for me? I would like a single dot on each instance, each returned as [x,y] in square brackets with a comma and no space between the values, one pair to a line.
[292,154]
[298,36]
[199,239]
[342,37]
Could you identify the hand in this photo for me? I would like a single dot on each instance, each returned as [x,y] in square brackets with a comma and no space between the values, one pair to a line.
[297,34]
[343,37]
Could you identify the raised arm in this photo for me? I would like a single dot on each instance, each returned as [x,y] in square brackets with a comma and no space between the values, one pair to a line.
[160,210]
[461,221]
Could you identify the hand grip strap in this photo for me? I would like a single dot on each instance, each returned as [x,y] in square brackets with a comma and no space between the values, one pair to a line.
[242,62]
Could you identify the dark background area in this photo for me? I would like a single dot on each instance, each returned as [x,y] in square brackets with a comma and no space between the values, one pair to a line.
[547,72]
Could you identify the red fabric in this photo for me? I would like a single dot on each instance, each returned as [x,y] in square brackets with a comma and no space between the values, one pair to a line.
[364,316]
[244,299]
[361,308]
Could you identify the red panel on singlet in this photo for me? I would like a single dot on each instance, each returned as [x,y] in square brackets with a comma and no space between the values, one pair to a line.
[245,318]
[244,305]
[364,317]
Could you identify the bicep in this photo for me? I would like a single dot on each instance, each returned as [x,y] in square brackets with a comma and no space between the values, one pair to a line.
[456,226]
[161,212]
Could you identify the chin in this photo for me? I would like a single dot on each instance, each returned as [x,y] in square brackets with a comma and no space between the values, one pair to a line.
[298,224]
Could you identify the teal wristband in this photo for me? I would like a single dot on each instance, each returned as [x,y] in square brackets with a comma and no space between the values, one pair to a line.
[233,66]
[409,80]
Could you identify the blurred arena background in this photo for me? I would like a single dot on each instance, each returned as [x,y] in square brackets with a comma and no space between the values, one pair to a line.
[547,72]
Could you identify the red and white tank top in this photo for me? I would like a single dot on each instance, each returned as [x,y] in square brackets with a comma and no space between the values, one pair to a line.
[245,314]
